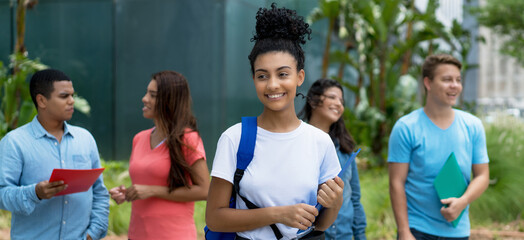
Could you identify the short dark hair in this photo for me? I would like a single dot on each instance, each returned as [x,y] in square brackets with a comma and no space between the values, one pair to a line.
[280,30]
[433,61]
[42,83]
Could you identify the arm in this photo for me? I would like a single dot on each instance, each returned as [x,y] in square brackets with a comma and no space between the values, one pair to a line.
[195,192]
[219,217]
[477,186]
[359,216]
[398,173]
[13,197]
[330,196]
[100,207]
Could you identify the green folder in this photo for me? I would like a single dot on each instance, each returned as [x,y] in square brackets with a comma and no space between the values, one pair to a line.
[450,182]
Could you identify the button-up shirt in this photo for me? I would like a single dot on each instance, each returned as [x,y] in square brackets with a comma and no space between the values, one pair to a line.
[351,219]
[28,156]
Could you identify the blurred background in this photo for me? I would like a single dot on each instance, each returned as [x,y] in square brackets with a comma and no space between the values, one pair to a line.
[110,49]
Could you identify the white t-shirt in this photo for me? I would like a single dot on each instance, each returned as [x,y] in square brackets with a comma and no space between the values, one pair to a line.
[286,169]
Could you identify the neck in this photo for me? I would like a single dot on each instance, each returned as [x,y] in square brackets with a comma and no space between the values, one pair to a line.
[284,121]
[436,111]
[319,123]
[158,131]
[54,127]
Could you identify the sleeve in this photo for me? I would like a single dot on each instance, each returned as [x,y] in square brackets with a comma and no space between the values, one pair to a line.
[330,166]
[224,164]
[399,149]
[359,216]
[480,151]
[194,148]
[100,208]
[13,197]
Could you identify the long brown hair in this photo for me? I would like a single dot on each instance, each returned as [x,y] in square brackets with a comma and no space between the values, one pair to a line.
[337,130]
[174,116]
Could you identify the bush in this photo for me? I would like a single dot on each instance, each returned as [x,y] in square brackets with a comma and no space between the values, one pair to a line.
[503,201]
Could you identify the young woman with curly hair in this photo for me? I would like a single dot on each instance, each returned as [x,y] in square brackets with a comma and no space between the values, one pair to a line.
[294,164]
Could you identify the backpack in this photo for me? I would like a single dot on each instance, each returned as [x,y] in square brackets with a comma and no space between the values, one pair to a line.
[245,152]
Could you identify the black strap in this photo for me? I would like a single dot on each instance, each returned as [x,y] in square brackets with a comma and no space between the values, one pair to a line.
[239,173]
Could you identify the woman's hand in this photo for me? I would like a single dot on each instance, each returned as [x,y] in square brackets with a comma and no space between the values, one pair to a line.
[299,216]
[330,193]
[136,191]
[118,194]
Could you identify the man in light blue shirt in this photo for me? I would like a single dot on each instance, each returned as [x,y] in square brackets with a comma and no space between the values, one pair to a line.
[419,145]
[29,154]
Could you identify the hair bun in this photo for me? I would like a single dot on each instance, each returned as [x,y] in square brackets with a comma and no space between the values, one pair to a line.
[281,23]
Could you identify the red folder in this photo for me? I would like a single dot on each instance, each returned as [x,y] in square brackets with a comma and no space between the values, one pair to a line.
[77,180]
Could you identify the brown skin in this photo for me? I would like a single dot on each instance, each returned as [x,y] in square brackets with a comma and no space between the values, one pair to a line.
[199,177]
[276,79]
[442,92]
[52,112]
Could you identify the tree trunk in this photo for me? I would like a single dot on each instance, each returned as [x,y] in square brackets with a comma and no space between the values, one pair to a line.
[406,62]
[20,27]
[325,59]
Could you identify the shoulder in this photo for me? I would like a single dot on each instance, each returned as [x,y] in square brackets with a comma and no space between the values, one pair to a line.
[78,130]
[191,133]
[143,133]
[15,137]
[467,117]
[191,136]
[315,133]
[411,118]
[233,133]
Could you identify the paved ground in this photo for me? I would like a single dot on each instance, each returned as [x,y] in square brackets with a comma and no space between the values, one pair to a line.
[476,234]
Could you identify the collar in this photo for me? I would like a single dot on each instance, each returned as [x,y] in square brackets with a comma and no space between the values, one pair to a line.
[39,131]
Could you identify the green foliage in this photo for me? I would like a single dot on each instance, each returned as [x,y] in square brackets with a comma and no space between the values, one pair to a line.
[16,106]
[505,17]
[377,206]
[379,40]
[116,174]
[503,201]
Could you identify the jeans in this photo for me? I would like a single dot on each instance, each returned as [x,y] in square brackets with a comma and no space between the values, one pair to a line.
[424,236]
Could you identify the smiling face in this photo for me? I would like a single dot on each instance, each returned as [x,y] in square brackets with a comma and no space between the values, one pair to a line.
[276,80]
[330,107]
[445,87]
[60,105]
[149,100]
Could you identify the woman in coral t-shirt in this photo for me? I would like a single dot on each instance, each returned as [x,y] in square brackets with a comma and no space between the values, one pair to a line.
[167,166]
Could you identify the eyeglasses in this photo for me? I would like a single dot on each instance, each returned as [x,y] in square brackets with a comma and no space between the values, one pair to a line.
[334,98]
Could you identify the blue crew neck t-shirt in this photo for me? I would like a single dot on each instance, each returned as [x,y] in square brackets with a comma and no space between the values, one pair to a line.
[416,140]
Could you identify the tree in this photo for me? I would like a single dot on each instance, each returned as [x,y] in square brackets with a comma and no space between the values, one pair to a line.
[505,17]
[379,41]
[16,106]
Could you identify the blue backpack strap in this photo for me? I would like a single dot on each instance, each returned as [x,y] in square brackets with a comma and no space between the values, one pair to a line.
[245,153]
[246,148]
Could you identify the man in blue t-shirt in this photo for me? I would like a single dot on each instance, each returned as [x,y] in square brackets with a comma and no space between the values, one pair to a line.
[419,145]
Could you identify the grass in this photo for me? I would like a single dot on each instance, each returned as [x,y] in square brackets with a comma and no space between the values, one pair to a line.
[503,201]
[501,205]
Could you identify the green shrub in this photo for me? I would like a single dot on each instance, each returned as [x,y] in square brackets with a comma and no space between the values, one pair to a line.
[116,174]
[374,185]
[503,201]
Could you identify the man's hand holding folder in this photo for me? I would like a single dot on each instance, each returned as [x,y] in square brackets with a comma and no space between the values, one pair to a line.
[73,180]
[450,185]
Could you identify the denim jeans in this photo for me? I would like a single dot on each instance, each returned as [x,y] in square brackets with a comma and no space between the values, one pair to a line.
[424,236]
